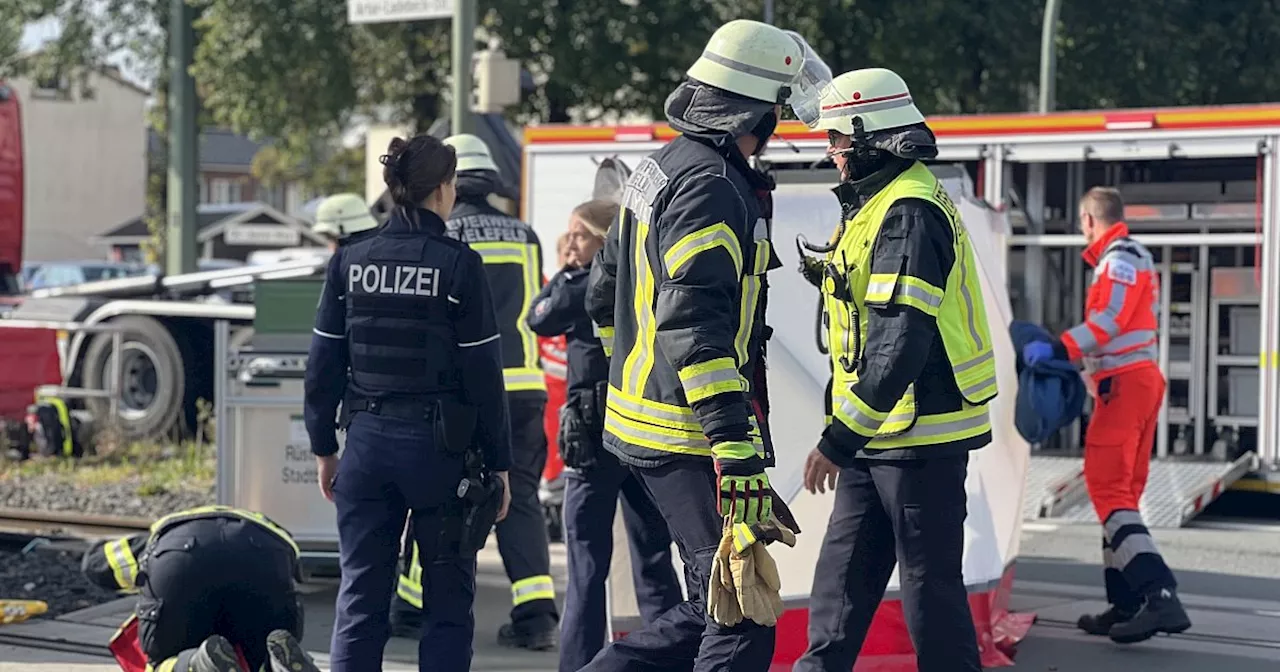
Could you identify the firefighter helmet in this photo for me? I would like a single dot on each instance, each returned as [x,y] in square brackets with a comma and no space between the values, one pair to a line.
[341,215]
[751,59]
[877,96]
[473,154]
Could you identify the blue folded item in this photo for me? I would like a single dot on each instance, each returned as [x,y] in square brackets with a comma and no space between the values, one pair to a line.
[1051,393]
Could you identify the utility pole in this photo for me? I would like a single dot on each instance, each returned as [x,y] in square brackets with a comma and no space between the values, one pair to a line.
[1034,279]
[768,11]
[1049,55]
[180,235]
[464,42]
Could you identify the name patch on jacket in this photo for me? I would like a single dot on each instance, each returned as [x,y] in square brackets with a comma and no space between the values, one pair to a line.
[643,188]
[487,229]
[1122,272]
[401,280]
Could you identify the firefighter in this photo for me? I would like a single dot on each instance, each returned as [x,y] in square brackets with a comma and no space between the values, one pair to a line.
[594,478]
[405,340]
[343,219]
[1117,344]
[679,290]
[211,580]
[512,258]
[913,372]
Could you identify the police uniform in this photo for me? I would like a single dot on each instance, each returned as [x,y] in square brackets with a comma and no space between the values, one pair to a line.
[512,258]
[211,570]
[405,331]
[594,479]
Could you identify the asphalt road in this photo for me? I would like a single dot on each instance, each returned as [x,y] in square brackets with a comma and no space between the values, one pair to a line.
[1225,570]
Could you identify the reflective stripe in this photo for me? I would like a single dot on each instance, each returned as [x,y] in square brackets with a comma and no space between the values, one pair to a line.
[555,369]
[716,235]
[643,433]
[858,416]
[764,253]
[224,511]
[746,68]
[938,429]
[122,563]
[918,294]
[676,417]
[746,318]
[605,334]
[409,591]
[525,256]
[1134,544]
[1131,340]
[64,421]
[520,379]
[166,666]
[743,537]
[326,334]
[849,109]
[532,588]
[639,362]
[880,287]
[707,379]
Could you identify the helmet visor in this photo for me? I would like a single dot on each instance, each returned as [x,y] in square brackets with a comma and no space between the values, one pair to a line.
[806,89]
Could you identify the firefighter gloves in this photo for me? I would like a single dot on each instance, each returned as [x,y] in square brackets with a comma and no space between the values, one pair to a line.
[744,577]
[745,495]
[755,576]
[722,600]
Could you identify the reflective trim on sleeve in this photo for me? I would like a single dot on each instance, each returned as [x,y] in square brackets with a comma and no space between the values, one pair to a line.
[123,565]
[918,294]
[605,334]
[858,416]
[532,588]
[938,429]
[521,379]
[326,334]
[716,235]
[707,379]
[482,341]
[880,288]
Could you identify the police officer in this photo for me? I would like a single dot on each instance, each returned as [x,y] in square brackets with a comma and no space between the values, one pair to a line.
[409,312]
[679,288]
[595,478]
[343,219]
[512,258]
[913,369]
[210,579]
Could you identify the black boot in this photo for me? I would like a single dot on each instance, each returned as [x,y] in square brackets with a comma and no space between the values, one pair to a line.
[286,653]
[535,634]
[1163,612]
[215,654]
[1101,624]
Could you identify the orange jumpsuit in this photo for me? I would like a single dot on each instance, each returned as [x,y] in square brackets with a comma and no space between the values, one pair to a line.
[1118,344]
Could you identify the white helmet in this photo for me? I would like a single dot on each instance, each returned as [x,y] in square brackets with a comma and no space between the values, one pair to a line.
[341,215]
[766,63]
[876,95]
[473,154]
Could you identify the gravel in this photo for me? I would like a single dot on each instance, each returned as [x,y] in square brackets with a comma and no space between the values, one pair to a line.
[52,576]
[47,492]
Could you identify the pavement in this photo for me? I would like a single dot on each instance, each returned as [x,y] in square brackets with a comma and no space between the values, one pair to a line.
[1227,572]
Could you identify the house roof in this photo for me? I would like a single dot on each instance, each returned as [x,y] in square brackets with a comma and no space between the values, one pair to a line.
[218,147]
[211,221]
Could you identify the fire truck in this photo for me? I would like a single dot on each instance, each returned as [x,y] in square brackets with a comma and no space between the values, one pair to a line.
[1200,188]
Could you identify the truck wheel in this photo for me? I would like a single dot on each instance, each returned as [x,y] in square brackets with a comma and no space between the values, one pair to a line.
[153,378]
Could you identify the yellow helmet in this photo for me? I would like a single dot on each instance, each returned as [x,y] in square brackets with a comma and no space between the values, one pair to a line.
[473,154]
[877,96]
[341,215]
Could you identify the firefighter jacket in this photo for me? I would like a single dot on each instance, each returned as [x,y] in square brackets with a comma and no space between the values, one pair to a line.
[679,291]
[561,308]
[1121,311]
[512,258]
[913,362]
[114,564]
[407,314]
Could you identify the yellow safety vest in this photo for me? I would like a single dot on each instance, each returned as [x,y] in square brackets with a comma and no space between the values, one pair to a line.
[958,308]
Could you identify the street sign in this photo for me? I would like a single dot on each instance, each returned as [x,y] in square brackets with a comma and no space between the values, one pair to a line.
[386,11]
[273,235]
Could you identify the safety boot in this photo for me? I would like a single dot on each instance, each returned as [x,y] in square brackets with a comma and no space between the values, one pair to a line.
[1162,612]
[1101,624]
[215,654]
[286,653]
[534,634]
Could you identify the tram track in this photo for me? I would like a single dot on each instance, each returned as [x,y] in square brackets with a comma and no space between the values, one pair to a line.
[16,524]
[60,645]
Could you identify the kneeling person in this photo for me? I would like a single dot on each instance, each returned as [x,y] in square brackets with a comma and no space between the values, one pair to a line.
[210,579]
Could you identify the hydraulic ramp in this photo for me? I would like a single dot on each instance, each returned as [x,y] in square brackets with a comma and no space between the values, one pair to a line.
[1177,490]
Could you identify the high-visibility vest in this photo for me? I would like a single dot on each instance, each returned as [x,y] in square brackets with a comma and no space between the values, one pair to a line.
[958,308]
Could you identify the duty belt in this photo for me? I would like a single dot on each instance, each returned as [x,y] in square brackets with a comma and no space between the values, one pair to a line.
[413,409]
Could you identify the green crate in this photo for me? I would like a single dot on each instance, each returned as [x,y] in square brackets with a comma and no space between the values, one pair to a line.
[286,306]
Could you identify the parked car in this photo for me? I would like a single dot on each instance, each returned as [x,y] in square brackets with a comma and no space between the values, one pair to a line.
[63,273]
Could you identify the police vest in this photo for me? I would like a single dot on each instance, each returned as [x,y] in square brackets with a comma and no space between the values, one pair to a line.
[959,310]
[399,329]
[512,260]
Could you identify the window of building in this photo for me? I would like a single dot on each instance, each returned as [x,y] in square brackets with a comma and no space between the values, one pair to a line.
[51,86]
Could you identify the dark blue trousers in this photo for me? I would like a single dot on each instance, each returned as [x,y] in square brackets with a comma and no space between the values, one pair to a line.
[388,468]
[685,638]
[590,500]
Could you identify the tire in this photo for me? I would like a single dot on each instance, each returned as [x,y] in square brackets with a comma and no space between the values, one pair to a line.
[154,380]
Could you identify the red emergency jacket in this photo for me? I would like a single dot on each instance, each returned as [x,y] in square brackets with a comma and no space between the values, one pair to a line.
[555,366]
[1121,311]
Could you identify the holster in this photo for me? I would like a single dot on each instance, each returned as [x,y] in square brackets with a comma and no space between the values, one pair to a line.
[582,427]
[481,496]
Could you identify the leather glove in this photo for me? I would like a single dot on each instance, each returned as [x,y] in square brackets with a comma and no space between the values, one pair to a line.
[755,576]
[722,602]
[745,495]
